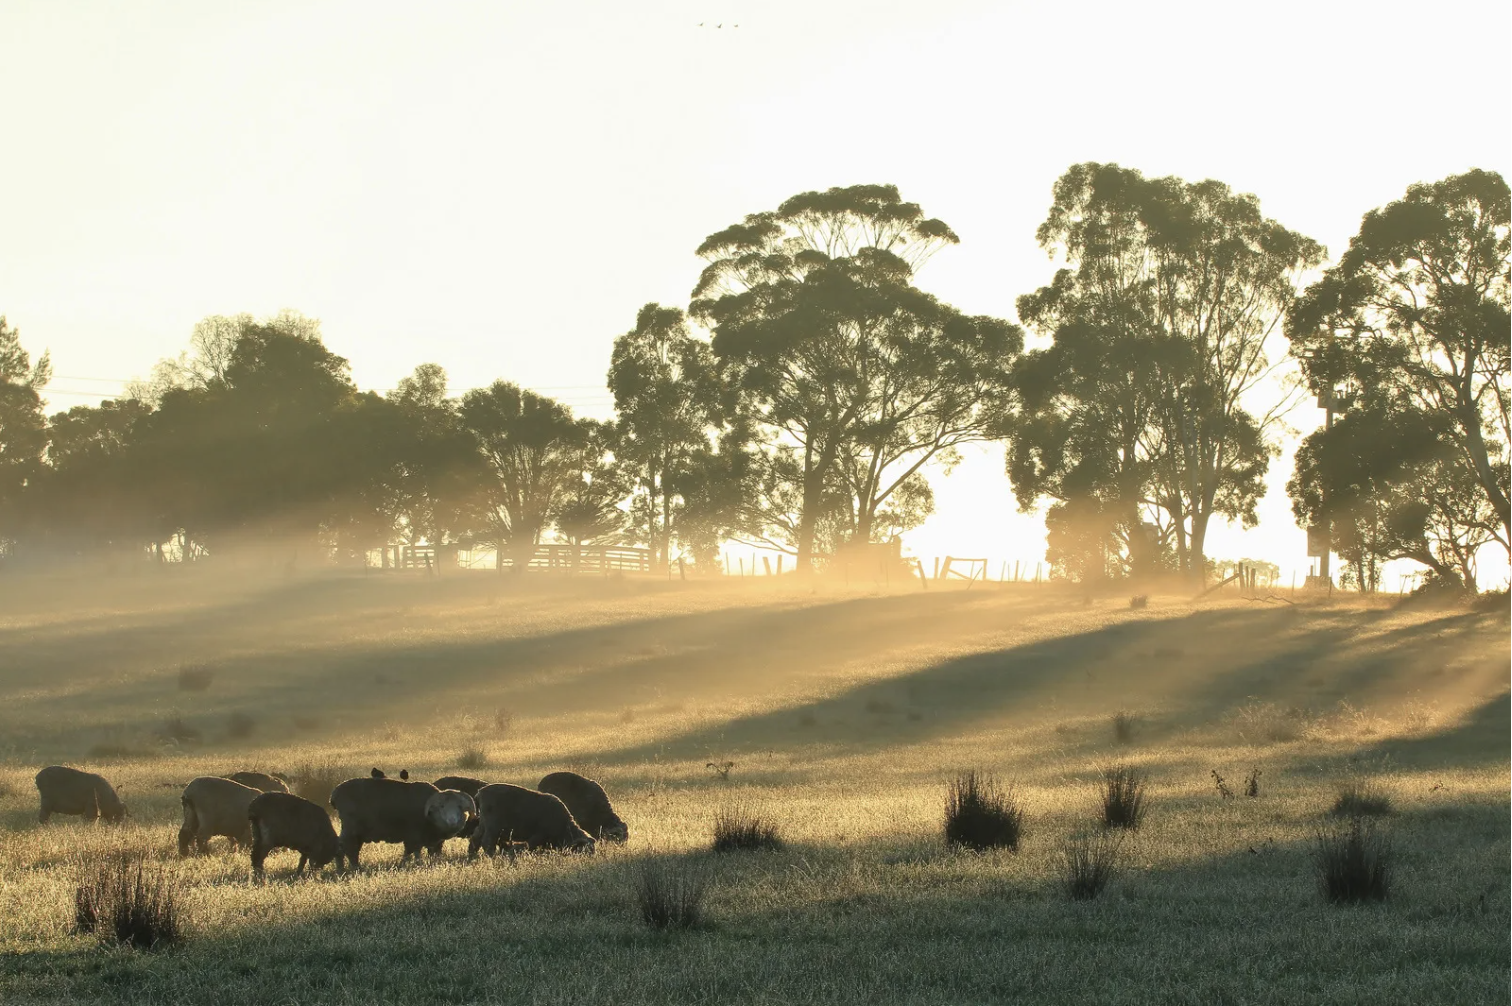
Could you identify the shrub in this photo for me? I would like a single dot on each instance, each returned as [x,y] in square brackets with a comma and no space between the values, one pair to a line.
[1359,799]
[1267,722]
[1353,861]
[1123,727]
[738,828]
[1087,863]
[124,899]
[176,731]
[503,720]
[239,726]
[1123,797]
[195,678]
[1223,787]
[1139,601]
[670,898]
[980,814]
[314,780]
[474,756]
[721,769]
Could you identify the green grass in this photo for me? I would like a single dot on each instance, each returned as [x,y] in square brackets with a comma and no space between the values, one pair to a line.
[848,713]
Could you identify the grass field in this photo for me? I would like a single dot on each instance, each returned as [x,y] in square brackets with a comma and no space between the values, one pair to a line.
[846,712]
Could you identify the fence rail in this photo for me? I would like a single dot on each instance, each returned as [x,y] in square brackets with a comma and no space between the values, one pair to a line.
[599,559]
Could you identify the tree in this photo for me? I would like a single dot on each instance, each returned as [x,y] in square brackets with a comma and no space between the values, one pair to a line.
[434,487]
[23,436]
[667,402]
[1391,484]
[534,451]
[1416,316]
[851,378]
[1161,325]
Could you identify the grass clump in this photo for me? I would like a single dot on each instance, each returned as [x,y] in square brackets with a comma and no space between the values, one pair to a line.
[1354,862]
[177,731]
[315,779]
[1124,800]
[669,897]
[195,678]
[1361,799]
[1087,864]
[980,814]
[239,726]
[125,899]
[1123,727]
[739,829]
[474,756]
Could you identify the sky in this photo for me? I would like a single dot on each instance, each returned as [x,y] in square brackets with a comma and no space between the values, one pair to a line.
[498,188]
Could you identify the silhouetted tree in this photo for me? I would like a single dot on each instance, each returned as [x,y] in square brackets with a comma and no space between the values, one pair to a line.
[23,436]
[436,484]
[534,450]
[1393,485]
[1161,323]
[1415,318]
[667,403]
[849,377]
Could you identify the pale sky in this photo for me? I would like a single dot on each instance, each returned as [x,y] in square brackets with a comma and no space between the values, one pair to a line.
[499,189]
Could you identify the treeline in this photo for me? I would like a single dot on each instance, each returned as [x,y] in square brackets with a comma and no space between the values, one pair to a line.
[829,383]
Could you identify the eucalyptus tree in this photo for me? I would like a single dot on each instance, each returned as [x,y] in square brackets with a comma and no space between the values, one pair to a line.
[1390,482]
[434,482]
[1415,315]
[1154,396]
[852,376]
[23,427]
[667,401]
[534,451]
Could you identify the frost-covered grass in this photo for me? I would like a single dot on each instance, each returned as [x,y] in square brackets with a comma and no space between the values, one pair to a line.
[845,714]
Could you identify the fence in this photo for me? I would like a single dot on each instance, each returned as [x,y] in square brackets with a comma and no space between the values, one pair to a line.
[600,559]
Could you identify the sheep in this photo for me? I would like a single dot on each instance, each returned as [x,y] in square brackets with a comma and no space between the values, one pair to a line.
[589,805]
[516,814]
[463,783]
[65,790]
[285,821]
[215,806]
[260,781]
[416,814]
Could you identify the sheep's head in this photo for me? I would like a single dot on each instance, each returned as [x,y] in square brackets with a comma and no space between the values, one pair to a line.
[615,831]
[449,811]
[583,843]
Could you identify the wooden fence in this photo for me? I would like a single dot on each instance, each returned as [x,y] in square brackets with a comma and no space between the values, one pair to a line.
[599,559]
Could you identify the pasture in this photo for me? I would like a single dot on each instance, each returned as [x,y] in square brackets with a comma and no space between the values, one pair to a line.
[839,712]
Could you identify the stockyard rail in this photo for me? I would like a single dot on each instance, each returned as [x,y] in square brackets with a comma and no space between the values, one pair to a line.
[592,559]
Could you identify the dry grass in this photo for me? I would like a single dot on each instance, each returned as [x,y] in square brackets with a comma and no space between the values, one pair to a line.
[1088,862]
[1361,799]
[670,897]
[127,898]
[738,828]
[864,906]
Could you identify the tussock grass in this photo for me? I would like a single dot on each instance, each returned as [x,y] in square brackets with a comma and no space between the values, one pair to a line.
[314,779]
[1353,860]
[239,726]
[176,730]
[738,828]
[1124,801]
[1361,799]
[474,756]
[1087,863]
[126,898]
[1123,727]
[670,896]
[195,678]
[981,814]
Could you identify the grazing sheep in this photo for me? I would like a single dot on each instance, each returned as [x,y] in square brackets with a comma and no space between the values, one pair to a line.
[515,814]
[416,814]
[215,806]
[468,785]
[463,783]
[260,781]
[67,790]
[285,821]
[589,805]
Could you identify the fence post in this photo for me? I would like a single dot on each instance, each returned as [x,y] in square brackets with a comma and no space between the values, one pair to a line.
[742,567]
[682,574]
[779,563]
[767,565]
[937,568]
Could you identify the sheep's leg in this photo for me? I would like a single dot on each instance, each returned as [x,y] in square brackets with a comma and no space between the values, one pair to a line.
[259,854]
[303,859]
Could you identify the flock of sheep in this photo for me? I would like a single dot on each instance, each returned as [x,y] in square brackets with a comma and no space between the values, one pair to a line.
[567,811]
